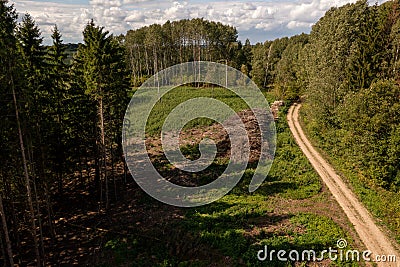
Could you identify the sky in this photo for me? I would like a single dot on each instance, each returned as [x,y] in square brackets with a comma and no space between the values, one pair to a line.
[256,20]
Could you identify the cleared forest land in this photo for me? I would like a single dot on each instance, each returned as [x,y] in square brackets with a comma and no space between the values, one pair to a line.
[291,210]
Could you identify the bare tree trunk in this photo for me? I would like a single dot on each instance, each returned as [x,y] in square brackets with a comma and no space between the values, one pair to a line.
[164,66]
[3,251]
[267,68]
[156,71]
[49,211]
[42,176]
[113,172]
[181,59]
[97,178]
[395,61]
[199,58]
[60,148]
[132,64]
[26,174]
[125,172]
[5,230]
[39,216]
[147,61]
[194,58]
[140,65]
[14,219]
[103,149]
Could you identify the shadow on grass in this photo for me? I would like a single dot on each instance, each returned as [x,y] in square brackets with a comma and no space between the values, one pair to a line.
[223,234]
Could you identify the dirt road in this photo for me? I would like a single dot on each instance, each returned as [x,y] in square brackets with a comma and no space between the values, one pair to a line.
[370,234]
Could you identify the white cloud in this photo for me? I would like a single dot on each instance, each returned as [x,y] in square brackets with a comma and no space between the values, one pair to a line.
[105,3]
[135,16]
[298,25]
[261,12]
[118,16]
[177,11]
[138,1]
[266,26]
[249,6]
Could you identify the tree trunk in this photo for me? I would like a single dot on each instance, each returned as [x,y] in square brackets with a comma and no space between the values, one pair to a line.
[147,61]
[156,71]
[103,149]
[199,58]
[5,230]
[26,174]
[267,68]
[133,65]
[140,66]
[97,182]
[14,220]
[39,216]
[395,61]
[49,211]
[113,172]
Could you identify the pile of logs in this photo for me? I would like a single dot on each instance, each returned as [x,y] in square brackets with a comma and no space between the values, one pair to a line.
[275,108]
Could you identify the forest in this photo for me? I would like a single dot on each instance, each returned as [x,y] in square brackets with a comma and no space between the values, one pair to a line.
[62,109]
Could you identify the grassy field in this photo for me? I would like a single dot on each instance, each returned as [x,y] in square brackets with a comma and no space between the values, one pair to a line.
[182,94]
[291,210]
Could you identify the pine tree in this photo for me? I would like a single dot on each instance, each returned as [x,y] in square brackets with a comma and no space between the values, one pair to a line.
[30,43]
[103,71]
[30,124]
[57,76]
[8,17]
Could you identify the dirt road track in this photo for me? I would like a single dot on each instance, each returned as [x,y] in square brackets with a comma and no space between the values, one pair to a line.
[370,234]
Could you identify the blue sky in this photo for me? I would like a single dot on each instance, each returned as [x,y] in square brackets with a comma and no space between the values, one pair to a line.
[257,20]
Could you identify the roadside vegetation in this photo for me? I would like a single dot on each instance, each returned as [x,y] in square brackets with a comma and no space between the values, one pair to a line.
[382,203]
[352,108]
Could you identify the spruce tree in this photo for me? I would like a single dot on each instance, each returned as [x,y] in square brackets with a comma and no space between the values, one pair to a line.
[103,74]
[57,92]
[8,17]
[34,123]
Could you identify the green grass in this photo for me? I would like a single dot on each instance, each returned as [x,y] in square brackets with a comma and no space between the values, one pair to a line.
[233,229]
[181,94]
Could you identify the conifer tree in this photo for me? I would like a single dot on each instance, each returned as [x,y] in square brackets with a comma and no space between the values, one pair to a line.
[57,81]
[103,71]
[8,17]
[29,122]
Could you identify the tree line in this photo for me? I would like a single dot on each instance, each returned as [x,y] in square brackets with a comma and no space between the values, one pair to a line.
[156,47]
[353,88]
[60,124]
[62,116]
[347,68]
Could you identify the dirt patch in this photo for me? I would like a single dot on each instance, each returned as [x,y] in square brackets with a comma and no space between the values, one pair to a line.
[218,134]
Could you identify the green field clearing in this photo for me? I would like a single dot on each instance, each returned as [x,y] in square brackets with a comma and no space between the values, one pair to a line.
[289,211]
